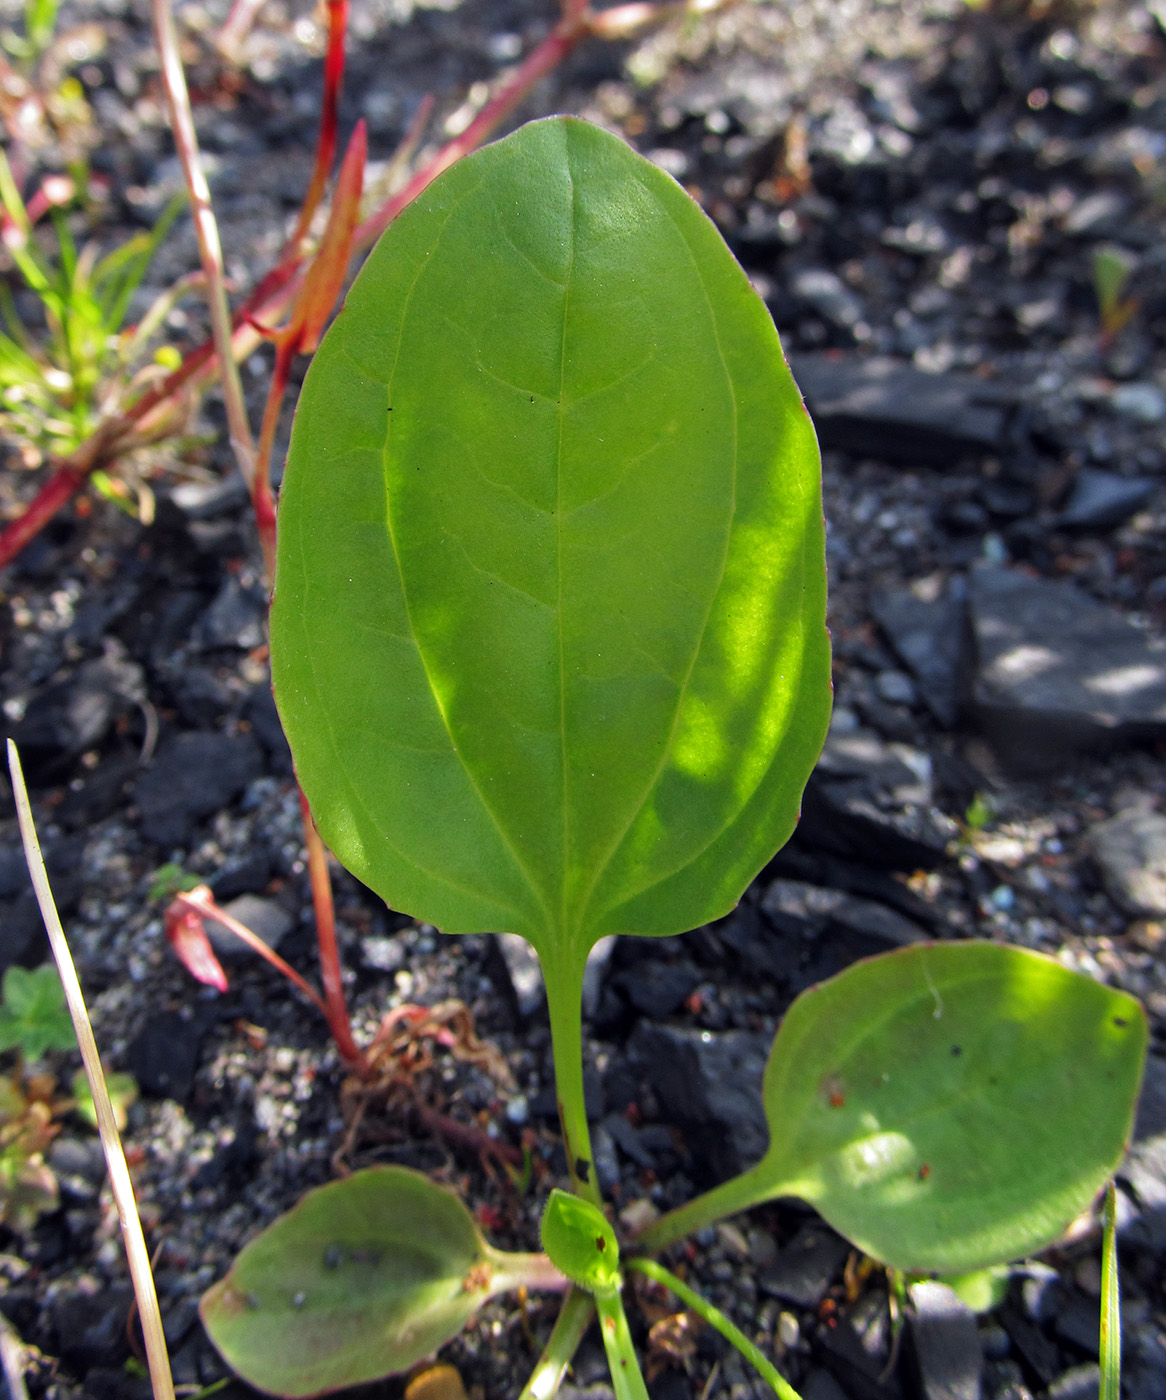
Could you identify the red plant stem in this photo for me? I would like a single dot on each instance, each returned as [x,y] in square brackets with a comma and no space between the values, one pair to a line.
[207,909]
[56,493]
[336,1009]
[329,118]
[261,496]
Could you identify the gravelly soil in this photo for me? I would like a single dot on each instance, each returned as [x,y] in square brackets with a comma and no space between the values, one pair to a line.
[920,181]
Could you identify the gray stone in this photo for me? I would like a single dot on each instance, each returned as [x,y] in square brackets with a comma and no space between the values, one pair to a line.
[848,912]
[895,688]
[1144,403]
[1077,1383]
[709,1085]
[1130,850]
[1057,671]
[523,973]
[524,977]
[193,775]
[945,1344]
[266,919]
[883,408]
[1101,500]
[821,1385]
[1144,1168]
[806,1267]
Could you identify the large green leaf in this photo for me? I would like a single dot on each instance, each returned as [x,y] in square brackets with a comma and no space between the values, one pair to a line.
[364,1277]
[950,1106]
[548,633]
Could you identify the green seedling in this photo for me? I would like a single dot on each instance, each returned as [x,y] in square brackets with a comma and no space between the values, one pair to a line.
[28,1188]
[53,395]
[40,25]
[33,1015]
[548,640]
[1112,268]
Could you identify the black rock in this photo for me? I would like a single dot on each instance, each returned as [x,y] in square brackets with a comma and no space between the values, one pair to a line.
[709,1085]
[821,1385]
[91,1328]
[99,793]
[883,408]
[1039,1354]
[1100,500]
[192,776]
[23,941]
[945,1345]
[248,875]
[231,1163]
[200,696]
[806,1267]
[263,717]
[1077,1320]
[78,712]
[163,1056]
[236,618]
[846,819]
[858,1349]
[1144,1168]
[657,989]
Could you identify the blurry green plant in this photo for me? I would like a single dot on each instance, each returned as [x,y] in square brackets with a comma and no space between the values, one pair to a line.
[28,1188]
[33,1019]
[40,25]
[58,385]
[33,1015]
[1112,269]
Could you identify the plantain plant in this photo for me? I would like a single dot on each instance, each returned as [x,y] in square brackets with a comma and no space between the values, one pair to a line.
[549,643]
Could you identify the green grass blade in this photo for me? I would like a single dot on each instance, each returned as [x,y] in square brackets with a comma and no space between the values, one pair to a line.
[1110,1304]
[717,1319]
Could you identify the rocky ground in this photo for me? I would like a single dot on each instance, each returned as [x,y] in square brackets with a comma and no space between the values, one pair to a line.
[921,192]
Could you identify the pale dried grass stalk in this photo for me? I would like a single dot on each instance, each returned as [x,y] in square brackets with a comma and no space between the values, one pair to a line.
[119,1174]
[210,250]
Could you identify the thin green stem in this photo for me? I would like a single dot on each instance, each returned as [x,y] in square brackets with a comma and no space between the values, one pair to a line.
[564,984]
[715,1318]
[532,1271]
[627,1380]
[729,1198]
[573,1320]
[1110,1304]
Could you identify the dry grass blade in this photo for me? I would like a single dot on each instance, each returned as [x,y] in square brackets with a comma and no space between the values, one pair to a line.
[119,1175]
[207,232]
[12,1360]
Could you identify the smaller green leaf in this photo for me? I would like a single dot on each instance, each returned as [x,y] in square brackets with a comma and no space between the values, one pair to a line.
[33,1014]
[363,1278]
[950,1106]
[581,1243]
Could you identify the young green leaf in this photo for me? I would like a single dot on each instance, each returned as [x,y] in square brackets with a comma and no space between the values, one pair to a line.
[33,1015]
[363,1278]
[581,1243]
[548,630]
[947,1107]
